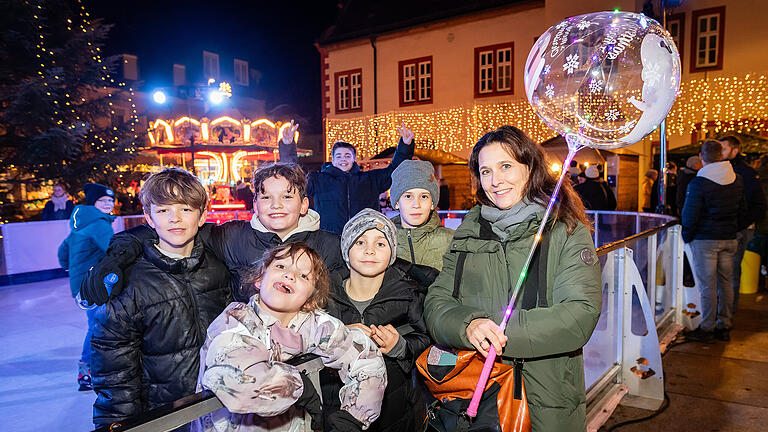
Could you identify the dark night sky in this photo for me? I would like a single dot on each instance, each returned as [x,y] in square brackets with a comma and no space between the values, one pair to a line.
[276,37]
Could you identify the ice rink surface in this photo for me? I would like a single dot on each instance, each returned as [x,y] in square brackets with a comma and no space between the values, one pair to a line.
[41,336]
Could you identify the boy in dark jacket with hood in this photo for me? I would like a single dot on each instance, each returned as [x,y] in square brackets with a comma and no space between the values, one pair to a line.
[281,215]
[378,298]
[90,228]
[146,341]
[341,189]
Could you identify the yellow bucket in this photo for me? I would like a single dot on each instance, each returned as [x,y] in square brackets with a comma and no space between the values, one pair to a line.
[750,273]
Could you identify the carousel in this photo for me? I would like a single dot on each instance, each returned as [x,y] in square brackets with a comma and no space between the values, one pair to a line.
[221,151]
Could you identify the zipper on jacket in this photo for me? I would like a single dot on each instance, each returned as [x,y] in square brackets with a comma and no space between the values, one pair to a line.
[195,310]
[410,244]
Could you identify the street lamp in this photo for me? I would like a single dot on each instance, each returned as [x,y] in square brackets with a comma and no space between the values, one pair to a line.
[216,97]
[159,97]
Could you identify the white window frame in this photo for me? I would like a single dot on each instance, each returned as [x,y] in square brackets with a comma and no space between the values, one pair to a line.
[356,90]
[425,80]
[503,69]
[241,72]
[343,92]
[708,36]
[210,65]
[485,72]
[409,83]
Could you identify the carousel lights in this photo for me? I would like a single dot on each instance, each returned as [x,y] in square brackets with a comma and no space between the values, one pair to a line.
[246,132]
[219,173]
[223,119]
[186,119]
[168,130]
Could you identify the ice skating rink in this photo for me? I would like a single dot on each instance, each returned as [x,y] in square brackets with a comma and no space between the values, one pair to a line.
[41,336]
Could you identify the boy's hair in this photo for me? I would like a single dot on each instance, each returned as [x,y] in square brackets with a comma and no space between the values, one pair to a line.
[342,144]
[294,250]
[173,186]
[290,171]
[711,151]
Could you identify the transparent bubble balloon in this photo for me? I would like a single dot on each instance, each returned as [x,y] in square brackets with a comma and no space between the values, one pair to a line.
[604,79]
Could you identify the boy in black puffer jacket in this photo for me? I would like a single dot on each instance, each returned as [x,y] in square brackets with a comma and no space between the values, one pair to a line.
[146,341]
[379,298]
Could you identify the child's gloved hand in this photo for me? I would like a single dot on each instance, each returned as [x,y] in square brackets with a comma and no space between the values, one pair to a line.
[342,421]
[385,337]
[310,402]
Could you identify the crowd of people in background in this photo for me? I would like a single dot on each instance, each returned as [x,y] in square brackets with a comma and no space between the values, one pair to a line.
[194,305]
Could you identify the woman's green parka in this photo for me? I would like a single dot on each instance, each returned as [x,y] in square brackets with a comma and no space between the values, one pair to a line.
[549,339]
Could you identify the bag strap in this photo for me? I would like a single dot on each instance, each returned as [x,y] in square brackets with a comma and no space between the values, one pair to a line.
[457,275]
[517,375]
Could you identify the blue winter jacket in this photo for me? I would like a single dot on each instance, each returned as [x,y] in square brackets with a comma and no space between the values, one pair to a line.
[339,195]
[87,242]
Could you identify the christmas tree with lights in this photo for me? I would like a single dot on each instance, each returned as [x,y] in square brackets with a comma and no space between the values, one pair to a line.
[64,116]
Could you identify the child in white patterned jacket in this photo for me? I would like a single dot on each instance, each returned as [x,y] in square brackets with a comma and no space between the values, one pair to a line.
[243,359]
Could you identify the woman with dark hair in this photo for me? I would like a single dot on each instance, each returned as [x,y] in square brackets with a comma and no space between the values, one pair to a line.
[559,303]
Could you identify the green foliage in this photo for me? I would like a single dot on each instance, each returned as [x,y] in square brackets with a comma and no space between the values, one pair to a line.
[58,96]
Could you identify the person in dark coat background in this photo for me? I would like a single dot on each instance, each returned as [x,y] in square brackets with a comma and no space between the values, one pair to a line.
[595,194]
[60,205]
[684,176]
[341,189]
[715,210]
[756,205]
[244,193]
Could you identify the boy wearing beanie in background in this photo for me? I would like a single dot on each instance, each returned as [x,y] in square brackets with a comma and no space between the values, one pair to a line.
[380,300]
[90,230]
[421,237]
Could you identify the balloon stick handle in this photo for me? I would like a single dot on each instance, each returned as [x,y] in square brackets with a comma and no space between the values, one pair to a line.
[487,367]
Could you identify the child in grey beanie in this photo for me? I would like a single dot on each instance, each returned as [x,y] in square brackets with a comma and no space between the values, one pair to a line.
[362,222]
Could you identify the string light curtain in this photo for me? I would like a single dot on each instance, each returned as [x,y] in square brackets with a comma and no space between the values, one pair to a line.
[714,105]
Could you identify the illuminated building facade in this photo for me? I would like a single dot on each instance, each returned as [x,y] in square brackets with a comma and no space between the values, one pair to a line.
[455,73]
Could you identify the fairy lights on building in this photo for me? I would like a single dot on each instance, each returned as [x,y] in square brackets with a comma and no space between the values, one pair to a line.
[714,105]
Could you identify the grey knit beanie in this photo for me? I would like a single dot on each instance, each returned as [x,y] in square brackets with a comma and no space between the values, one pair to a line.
[412,174]
[362,222]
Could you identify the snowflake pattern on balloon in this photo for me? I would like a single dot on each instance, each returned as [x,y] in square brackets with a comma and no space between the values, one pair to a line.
[571,63]
[550,91]
[612,114]
[546,70]
[595,85]
[626,127]
[584,24]
[652,74]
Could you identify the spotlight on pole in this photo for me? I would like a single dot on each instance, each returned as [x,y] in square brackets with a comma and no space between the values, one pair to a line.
[216,97]
[159,97]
